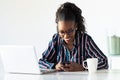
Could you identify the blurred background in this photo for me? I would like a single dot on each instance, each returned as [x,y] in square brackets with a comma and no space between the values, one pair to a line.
[32,22]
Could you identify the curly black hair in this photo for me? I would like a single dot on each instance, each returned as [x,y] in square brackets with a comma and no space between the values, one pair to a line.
[70,12]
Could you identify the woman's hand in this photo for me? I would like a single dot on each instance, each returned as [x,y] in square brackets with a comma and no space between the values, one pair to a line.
[59,66]
[72,66]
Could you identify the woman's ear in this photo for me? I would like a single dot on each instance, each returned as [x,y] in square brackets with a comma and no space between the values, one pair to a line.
[76,29]
[76,26]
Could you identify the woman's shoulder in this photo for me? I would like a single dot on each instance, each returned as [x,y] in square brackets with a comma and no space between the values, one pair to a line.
[85,34]
[56,39]
[55,36]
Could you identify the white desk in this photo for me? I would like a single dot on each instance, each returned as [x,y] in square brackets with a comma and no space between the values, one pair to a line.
[100,75]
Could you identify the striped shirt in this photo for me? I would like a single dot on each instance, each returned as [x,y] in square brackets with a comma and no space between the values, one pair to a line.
[84,47]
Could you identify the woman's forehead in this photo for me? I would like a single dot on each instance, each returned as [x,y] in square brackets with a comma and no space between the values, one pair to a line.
[66,24]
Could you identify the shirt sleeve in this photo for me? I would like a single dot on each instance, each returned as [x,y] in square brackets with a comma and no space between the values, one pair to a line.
[94,51]
[48,59]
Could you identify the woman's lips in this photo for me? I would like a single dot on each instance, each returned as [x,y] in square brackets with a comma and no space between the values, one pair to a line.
[68,39]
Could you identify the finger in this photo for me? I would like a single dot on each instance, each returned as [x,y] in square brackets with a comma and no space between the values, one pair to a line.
[67,65]
[66,69]
[59,69]
[60,61]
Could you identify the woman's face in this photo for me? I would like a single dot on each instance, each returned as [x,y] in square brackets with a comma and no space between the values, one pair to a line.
[66,30]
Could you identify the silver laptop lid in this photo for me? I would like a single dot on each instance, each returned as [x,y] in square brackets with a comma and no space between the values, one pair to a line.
[19,59]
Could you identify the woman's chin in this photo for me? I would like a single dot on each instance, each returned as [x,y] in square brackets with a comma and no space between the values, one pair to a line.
[68,42]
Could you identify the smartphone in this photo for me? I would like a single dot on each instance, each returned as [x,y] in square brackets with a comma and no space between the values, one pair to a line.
[65,63]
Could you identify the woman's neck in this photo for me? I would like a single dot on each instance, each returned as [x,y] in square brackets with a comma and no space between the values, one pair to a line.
[70,46]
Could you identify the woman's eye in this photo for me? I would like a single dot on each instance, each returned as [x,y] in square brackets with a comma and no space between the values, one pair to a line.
[61,32]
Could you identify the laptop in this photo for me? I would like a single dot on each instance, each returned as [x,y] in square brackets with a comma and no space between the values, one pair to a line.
[21,59]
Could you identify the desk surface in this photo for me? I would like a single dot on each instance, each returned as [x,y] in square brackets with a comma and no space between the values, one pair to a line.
[100,75]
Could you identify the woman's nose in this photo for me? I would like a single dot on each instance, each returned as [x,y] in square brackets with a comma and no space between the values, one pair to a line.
[66,36]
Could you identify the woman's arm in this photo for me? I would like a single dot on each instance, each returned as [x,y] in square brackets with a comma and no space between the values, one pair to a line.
[94,51]
[48,59]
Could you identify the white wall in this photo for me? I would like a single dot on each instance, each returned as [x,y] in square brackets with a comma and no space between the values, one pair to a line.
[27,22]
[32,22]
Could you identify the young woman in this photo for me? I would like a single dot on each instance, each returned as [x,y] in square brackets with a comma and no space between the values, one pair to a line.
[71,44]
